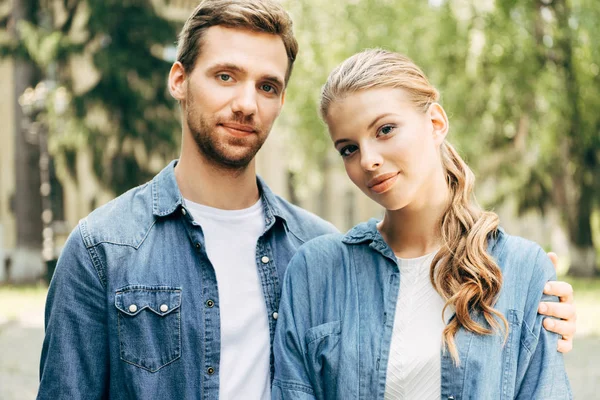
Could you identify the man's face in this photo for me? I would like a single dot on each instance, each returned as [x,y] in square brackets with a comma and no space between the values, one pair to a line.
[234,93]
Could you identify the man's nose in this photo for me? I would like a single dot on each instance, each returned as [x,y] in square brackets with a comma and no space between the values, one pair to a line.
[244,101]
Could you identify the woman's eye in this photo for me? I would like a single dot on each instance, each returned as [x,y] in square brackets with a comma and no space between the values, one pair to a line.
[347,151]
[386,129]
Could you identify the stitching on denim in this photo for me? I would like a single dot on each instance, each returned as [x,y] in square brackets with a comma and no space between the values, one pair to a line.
[295,386]
[92,253]
[531,334]
[513,322]
[331,332]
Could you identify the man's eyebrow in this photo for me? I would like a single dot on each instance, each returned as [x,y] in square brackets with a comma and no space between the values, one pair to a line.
[274,79]
[228,66]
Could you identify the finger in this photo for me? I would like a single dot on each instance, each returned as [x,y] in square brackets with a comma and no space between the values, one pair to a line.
[565,346]
[554,259]
[561,289]
[558,310]
[564,328]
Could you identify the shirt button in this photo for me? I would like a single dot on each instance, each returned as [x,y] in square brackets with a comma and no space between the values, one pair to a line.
[210,370]
[450,397]
[198,245]
[275,315]
[264,259]
[183,211]
[210,303]
[164,308]
[132,308]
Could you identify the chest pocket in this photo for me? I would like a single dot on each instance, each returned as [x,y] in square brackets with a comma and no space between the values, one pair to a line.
[149,325]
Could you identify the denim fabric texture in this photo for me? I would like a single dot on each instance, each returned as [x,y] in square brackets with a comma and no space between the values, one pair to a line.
[336,318]
[133,307]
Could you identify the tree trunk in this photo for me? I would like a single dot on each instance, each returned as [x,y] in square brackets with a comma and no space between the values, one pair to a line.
[27,206]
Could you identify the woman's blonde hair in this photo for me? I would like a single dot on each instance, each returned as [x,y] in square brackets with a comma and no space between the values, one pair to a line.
[466,276]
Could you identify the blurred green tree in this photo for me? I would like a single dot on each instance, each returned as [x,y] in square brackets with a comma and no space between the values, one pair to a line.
[538,69]
[110,56]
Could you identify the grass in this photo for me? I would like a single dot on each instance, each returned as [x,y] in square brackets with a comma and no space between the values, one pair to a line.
[22,300]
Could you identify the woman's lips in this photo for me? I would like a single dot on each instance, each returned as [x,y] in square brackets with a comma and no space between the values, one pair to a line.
[382,183]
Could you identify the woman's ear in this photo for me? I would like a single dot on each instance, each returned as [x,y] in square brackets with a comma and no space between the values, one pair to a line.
[439,122]
[177,78]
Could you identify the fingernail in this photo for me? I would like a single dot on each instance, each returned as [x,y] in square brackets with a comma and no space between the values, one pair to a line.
[546,287]
[543,308]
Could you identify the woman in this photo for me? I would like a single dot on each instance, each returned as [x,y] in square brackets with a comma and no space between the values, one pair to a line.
[434,301]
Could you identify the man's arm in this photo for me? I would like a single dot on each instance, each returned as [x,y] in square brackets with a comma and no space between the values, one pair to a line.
[564,310]
[74,362]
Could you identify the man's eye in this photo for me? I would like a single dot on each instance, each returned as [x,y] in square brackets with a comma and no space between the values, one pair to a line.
[347,151]
[224,77]
[267,88]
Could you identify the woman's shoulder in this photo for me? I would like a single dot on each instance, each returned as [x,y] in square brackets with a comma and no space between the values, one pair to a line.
[525,265]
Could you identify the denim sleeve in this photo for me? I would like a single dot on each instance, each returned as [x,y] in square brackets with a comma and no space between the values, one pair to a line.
[291,381]
[74,362]
[542,373]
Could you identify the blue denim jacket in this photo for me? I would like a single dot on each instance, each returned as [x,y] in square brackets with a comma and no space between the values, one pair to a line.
[336,318]
[133,308]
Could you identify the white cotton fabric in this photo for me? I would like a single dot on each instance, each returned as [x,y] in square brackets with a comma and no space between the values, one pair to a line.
[414,365]
[230,240]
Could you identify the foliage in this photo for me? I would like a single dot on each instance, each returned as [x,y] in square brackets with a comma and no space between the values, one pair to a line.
[109,56]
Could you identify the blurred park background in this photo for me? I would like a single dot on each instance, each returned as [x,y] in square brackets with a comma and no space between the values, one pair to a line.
[85,115]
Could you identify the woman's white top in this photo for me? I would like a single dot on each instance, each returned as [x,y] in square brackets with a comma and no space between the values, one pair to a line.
[414,366]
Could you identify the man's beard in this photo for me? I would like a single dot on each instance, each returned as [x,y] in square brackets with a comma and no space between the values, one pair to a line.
[229,154]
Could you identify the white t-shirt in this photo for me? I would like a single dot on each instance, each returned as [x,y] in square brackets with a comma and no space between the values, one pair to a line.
[414,366]
[230,239]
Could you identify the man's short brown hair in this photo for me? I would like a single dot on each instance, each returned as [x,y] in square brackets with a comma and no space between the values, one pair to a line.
[266,16]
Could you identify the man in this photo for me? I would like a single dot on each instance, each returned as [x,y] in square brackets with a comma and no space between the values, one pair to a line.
[171,290]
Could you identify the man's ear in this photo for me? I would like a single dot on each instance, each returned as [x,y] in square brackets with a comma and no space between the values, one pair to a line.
[439,122]
[283,97]
[177,79]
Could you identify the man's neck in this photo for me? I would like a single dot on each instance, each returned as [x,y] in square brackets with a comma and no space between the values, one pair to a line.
[204,183]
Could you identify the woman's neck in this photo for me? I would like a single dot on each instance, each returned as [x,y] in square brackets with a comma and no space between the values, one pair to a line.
[415,230]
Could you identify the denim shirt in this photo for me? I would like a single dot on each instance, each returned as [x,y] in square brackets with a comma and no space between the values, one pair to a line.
[133,307]
[337,315]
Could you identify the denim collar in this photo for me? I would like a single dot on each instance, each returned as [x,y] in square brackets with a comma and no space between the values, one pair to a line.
[167,198]
[367,232]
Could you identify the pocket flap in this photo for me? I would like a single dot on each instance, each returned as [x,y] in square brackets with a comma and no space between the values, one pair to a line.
[161,300]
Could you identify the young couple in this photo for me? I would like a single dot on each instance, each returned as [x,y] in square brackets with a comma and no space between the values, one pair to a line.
[180,288]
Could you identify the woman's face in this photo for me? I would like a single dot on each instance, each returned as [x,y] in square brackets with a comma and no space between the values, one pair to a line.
[391,150]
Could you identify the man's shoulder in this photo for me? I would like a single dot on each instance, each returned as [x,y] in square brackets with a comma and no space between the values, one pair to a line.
[124,220]
[302,223]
